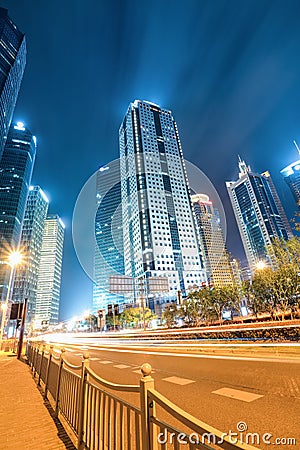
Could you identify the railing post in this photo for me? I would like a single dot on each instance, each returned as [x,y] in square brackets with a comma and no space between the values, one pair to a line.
[32,356]
[41,364]
[82,410]
[28,353]
[147,408]
[47,372]
[36,360]
[61,362]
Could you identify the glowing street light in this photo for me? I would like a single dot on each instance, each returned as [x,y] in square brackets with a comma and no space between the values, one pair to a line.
[260,265]
[14,259]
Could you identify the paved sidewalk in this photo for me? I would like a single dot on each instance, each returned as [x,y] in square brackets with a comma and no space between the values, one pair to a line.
[26,421]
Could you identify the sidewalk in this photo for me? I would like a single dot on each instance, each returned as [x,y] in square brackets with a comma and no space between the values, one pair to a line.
[26,421]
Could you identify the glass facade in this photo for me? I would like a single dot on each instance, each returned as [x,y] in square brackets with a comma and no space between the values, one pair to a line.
[108,259]
[16,167]
[26,275]
[49,277]
[258,212]
[159,229]
[12,65]
[216,258]
[291,175]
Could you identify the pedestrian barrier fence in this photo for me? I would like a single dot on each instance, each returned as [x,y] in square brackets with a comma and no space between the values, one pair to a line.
[109,416]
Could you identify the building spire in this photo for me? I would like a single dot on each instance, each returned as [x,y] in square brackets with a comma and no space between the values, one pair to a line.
[296,145]
[243,167]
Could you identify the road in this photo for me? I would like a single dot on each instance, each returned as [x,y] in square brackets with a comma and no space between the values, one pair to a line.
[263,394]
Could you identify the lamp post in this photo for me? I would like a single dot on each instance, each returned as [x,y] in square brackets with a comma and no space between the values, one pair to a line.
[13,259]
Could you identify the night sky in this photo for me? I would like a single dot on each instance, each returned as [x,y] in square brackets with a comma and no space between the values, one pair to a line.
[229,71]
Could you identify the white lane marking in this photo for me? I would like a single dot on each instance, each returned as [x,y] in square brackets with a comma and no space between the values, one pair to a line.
[237,394]
[77,354]
[121,366]
[177,380]
[70,350]
[105,362]
[94,359]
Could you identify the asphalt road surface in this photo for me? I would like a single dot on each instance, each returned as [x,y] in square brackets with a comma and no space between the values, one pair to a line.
[264,395]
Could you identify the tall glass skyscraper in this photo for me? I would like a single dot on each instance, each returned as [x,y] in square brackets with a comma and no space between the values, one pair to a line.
[26,276]
[291,176]
[12,65]
[108,259]
[159,227]
[16,167]
[258,212]
[49,278]
[213,244]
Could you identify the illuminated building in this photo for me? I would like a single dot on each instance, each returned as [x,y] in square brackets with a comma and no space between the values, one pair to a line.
[16,167]
[49,277]
[160,232]
[212,242]
[258,212]
[25,285]
[291,176]
[108,258]
[12,65]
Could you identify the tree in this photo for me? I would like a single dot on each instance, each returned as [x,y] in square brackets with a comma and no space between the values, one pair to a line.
[284,284]
[170,314]
[283,252]
[255,303]
[262,285]
[210,304]
[190,312]
[135,317]
[224,298]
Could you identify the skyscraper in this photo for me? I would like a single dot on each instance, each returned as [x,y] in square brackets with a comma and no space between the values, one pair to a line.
[291,176]
[16,167]
[215,255]
[258,212]
[108,259]
[49,277]
[159,228]
[12,64]
[26,277]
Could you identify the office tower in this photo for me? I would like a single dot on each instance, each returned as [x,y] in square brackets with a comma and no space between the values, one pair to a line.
[160,233]
[49,277]
[16,167]
[26,276]
[291,176]
[12,64]
[258,212]
[212,241]
[108,259]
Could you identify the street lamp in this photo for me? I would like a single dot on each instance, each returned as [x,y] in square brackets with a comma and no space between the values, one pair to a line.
[13,259]
[260,265]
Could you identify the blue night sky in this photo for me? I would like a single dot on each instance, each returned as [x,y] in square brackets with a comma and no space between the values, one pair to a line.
[229,71]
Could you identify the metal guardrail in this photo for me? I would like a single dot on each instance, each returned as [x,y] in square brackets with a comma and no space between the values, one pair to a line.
[101,418]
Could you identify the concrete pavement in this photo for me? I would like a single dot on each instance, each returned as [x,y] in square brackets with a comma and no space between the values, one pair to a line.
[26,421]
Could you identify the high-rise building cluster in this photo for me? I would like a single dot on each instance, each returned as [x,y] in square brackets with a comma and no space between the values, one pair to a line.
[25,225]
[156,236]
